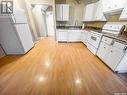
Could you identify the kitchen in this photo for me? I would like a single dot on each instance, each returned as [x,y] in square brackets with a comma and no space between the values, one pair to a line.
[99,40]
[64,47]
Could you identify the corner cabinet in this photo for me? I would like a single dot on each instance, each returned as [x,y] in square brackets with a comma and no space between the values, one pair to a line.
[89,12]
[62,12]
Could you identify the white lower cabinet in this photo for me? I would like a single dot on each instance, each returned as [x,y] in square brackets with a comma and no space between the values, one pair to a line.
[113,57]
[122,67]
[111,54]
[69,35]
[84,37]
[62,35]
[74,36]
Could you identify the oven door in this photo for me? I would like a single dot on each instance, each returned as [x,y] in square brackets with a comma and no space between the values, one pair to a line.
[94,39]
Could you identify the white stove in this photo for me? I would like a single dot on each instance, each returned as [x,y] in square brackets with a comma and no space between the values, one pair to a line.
[94,38]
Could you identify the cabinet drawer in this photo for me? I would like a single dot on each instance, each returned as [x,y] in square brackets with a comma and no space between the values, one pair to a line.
[107,40]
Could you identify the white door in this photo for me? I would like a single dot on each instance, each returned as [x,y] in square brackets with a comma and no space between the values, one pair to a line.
[59,12]
[50,23]
[25,36]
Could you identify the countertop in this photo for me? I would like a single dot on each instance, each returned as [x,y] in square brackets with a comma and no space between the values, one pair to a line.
[121,38]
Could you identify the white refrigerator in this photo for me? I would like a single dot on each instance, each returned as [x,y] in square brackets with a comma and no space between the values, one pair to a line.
[15,35]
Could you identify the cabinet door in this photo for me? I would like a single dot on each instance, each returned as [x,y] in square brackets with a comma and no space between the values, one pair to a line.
[62,36]
[99,16]
[74,36]
[113,57]
[25,36]
[89,12]
[102,51]
[84,37]
[59,12]
[113,6]
[119,4]
[106,5]
[123,15]
[65,12]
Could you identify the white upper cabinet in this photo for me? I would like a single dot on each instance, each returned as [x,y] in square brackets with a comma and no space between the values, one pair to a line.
[89,12]
[62,12]
[99,16]
[65,12]
[123,15]
[59,12]
[113,6]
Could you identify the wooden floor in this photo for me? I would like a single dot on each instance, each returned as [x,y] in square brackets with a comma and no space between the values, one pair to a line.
[52,68]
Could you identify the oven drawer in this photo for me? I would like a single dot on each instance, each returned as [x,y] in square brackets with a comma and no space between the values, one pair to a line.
[107,40]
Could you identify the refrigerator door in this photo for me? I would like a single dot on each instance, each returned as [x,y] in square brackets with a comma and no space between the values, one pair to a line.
[19,17]
[25,36]
[8,38]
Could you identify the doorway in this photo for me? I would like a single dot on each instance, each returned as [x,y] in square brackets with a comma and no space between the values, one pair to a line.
[44,19]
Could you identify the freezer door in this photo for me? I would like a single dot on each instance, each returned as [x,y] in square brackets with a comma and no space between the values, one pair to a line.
[25,36]
[19,16]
